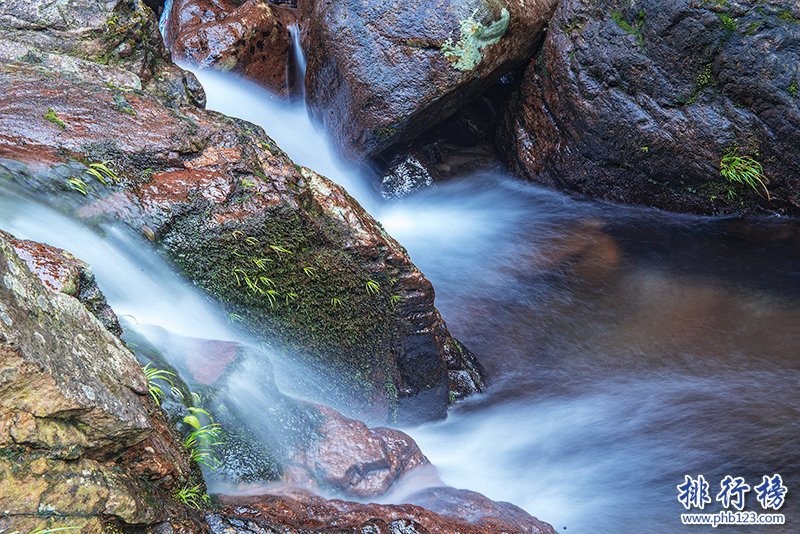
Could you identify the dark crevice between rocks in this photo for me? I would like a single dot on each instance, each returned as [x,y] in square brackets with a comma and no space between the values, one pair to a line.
[462,144]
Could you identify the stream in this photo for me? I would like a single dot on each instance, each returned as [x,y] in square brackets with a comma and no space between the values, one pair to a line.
[625,347]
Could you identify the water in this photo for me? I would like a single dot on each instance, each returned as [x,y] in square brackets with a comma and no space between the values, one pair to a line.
[625,348]
[296,65]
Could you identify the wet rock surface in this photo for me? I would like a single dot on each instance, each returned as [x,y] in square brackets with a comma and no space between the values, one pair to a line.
[73,402]
[640,103]
[297,511]
[284,249]
[251,39]
[63,272]
[380,73]
[354,460]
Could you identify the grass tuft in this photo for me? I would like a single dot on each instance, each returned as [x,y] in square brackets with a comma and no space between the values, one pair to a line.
[153,374]
[744,170]
[203,438]
[193,497]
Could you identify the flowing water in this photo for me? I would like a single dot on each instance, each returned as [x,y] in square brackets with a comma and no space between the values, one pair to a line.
[625,347]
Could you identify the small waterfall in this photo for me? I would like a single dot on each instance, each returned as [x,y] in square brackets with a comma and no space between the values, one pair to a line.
[164,18]
[296,66]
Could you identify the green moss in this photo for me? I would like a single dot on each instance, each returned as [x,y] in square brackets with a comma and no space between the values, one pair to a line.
[52,116]
[466,54]
[253,269]
[631,28]
[385,133]
[122,105]
[728,22]
[704,79]
[787,16]
[793,89]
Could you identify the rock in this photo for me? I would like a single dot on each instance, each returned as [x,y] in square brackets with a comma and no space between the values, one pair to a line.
[346,456]
[641,104]
[73,401]
[250,38]
[295,511]
[116,43]
[61,271]
[478,510]
[272,436]
[380,73]
[285,250]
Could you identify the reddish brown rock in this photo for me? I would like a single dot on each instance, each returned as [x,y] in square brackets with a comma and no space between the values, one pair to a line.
[82,445]
[350,458]
[250,38]
[295,511]
[205,186]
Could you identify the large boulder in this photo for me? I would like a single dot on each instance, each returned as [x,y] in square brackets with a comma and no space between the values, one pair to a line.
[379,73]
[647,102]
[251,39]
[287,252]
[77,441]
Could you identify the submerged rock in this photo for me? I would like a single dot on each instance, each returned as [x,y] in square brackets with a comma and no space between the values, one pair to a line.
[641,104]
[287,252]
[250,38]
[380,73]
[73,403]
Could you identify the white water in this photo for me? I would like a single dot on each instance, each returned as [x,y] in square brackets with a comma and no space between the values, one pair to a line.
[140,287]
[297,63]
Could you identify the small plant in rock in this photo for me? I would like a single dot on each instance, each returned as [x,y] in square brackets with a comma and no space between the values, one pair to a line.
[52,116]
[76,184]
[793,89]
[728,22]
[744,170]
[154,375]
[203,438]
[336,301]
[372,287]
[466,53]
[103,173]
[280,250]
[193,496]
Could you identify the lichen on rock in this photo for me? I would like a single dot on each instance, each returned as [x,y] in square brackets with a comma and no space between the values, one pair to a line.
[465,54]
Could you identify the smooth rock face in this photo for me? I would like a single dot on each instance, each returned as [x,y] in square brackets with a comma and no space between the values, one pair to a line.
[378,73]
[640,104]
[250,38]
[73,400]
[297,511]
[286,250]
